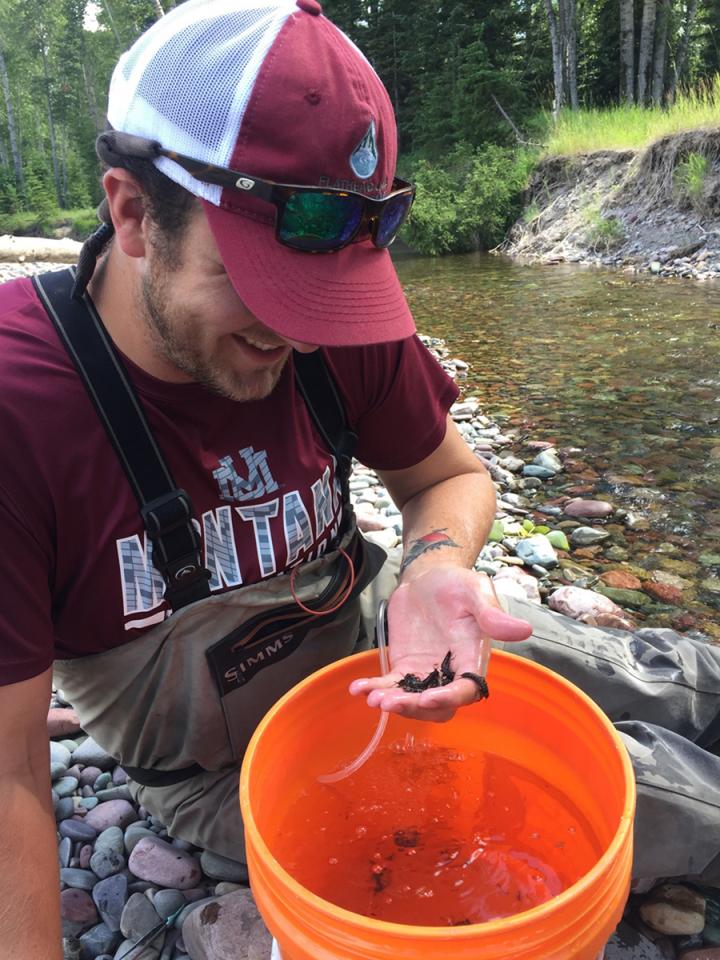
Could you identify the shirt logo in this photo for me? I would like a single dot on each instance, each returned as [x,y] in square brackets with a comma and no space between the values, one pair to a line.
[364,158]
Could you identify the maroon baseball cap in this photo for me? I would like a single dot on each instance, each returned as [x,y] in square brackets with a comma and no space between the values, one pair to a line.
[271,88]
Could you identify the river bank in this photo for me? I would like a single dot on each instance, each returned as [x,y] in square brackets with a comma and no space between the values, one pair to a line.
[654,210]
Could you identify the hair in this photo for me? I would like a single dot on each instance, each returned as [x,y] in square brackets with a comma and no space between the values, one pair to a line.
[168,205]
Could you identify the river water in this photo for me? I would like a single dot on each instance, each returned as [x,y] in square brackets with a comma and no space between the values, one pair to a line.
[624,367]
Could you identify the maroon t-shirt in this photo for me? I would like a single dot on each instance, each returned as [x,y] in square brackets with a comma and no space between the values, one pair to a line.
[76,573]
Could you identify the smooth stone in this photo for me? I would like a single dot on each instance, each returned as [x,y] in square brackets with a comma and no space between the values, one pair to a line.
[165,865]
[674,910]
[110,897]
[114,793]
[102,781]
[97,940]
[134,834]
[542,473]
[93,755]
[119,777]
[59,754]
[57,770]
[112,813]
[89,775]
[628,944]
[225,887]
[81,879]
[78,906]
[558,540]
[227,928]
[61,721]
[193,905]
[77,830]
[71,947]
[105,863]
[85,856]
[139,917]
[621,580]
[514,582]
[537,550]
[195,893]
[111,841]
[167,902]
[223,868]
[576,602]
[587,536]
[89,803]
[141,886]
[144,953]
[591,509]
[707,953]
[65,851]
[635,599]
[548,460]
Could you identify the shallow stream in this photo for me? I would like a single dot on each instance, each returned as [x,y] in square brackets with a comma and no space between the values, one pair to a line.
[624,367]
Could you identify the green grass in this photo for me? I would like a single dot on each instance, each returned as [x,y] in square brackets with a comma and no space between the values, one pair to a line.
[691,176]
[82,222]
[632,128]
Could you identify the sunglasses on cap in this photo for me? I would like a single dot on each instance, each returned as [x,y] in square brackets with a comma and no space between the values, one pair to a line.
[310,219]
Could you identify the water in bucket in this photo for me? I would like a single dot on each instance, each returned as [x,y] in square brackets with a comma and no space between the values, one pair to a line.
[428,835]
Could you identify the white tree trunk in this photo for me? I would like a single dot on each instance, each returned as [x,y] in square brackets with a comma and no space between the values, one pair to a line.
[558,72]
[647,43]
[627,51]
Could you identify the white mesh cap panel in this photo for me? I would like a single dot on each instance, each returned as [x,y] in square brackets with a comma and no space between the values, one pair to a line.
[187,81]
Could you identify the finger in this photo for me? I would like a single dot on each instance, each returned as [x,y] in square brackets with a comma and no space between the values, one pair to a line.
[409,705]
[500,625]
[368,684]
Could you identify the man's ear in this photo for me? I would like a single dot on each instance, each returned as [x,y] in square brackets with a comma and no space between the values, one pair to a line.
[126,203]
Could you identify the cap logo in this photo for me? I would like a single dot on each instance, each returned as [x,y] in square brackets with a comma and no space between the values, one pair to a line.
[364,158]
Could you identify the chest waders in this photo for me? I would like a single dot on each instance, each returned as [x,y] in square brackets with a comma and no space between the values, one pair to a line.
[178,705]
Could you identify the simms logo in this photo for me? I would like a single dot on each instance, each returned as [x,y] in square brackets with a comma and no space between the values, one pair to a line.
[246,668]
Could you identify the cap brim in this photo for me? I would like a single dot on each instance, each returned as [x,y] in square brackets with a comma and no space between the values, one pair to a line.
[347,298]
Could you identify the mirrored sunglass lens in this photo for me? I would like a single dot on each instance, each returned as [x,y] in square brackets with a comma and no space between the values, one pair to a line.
[392,218]
[319,221]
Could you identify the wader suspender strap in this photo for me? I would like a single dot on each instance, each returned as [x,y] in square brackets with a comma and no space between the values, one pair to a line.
[165,509]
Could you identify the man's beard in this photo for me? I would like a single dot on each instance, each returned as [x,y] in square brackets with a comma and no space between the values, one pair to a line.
[176,336]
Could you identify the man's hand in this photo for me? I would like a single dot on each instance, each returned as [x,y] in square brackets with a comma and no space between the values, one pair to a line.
[445,609]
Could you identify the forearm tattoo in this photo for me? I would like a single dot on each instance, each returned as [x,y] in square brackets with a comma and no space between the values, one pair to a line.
[431,541]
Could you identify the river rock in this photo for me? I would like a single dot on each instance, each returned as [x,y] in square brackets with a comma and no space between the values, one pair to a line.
[674,910]
[77,906]
[110,896]
[227,928]
[139,916]
[591,509]
[620,580]
[628,944]
[77,830]
[534,470]
[98,940]
[111,841]
[62,722]
[514,582]
[222,868]
[112,813]
[135,833]
[125,951]
[663,592]
[635,599]
[89,775]
[164,865]
[704,953]
[167,902]
[587,536]
[576,602]
[537,550]
[105,863]
[81,879]
[92,754]
[60,755]
[65,851]
[549,460]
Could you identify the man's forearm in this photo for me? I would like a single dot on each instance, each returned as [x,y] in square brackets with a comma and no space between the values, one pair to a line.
[447,524]
[29,873]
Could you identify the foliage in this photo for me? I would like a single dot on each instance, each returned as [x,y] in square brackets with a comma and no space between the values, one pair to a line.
[603,232]
[80,223]
[632,127]
[691,177]
[468,201]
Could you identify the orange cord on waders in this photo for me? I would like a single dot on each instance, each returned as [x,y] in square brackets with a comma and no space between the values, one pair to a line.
[341,601]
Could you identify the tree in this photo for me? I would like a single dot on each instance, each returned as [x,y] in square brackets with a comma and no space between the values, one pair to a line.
[647,44]
[627,51]
[683,47]
[14,147]
[660,54]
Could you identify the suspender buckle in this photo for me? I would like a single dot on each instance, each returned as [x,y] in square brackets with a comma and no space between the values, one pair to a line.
[176,542]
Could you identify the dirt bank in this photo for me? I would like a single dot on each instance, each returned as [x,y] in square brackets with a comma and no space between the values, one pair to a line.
[654,210]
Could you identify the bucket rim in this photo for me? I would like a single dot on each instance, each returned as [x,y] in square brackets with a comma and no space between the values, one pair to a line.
[513,924]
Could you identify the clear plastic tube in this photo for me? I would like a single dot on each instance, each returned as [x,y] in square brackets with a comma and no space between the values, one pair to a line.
[381,629]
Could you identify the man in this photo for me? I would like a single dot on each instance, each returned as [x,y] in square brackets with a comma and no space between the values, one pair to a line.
[160,457]
[185,558]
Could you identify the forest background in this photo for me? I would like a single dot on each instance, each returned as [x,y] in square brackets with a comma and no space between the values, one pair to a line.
[481,89]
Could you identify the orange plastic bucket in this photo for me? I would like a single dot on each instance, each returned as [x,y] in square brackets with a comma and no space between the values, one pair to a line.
[533,717]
